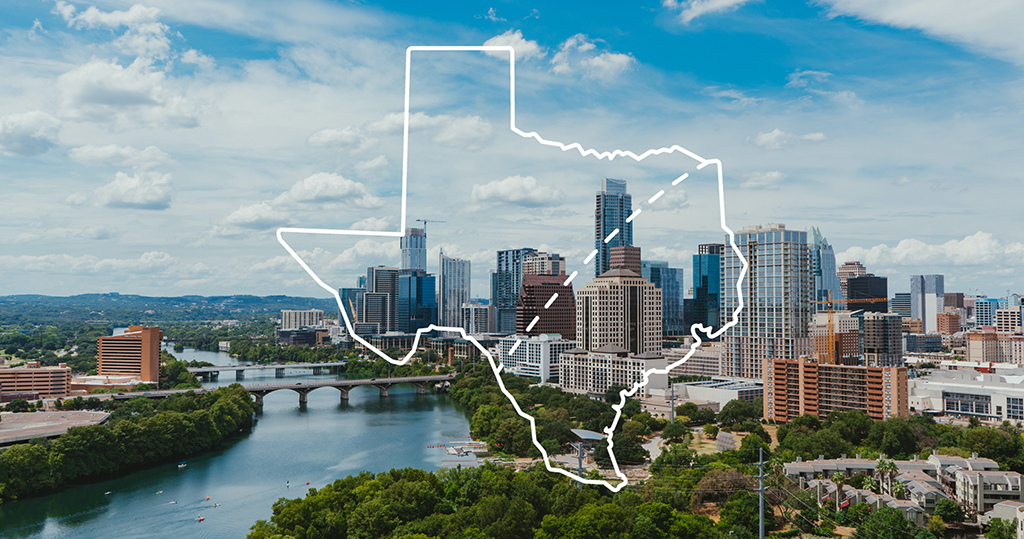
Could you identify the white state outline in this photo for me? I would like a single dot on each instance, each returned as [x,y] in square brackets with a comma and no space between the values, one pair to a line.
[497,368]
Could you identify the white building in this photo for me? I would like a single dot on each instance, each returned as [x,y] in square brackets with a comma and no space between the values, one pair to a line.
[477,318]
[705,361]
[535,357]
[995,397]
[610,365]
[293,319]
[453,290]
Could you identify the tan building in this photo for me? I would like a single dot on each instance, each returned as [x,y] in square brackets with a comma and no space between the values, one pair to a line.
[949,323]
[793,387]
[983,347]
[913,325]
[292,319]
[1008,320]
[543,264]
[625,257]
[706,360]
[619,308]
[580,371]
[848,270]
[135,353]
[48,382]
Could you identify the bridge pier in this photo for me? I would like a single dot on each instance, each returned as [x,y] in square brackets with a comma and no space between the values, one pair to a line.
[421,389]
[214,375]
[239,375]
[279,373]
[344,394]
[205,376]
[259,399]
[383,389]
[303,396]
[318,370]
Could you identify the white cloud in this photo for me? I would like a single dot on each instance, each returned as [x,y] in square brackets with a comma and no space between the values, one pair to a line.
[524,48]
[578,55]
[981,248]
[123,156]
[329,188]
[492,15]
[349,138]
[197,58]
[735,96]
[800,79]
[259,216]
[28,133]
[689,10]
[372,168]
[366,252]
[144,190]
[151,262]
[763,180]
[144,35]
[468,132]
[518,190]
[778,139]
[373,223]
[991,26]
[673,201]
[84,233]
[107,92]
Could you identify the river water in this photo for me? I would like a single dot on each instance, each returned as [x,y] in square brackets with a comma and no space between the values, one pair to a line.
[326,440]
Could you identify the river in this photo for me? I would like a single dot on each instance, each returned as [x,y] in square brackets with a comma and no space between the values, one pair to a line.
[288,446]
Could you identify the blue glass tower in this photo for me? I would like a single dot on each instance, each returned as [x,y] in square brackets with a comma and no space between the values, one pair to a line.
[417,301]
[614,205]
[707,277]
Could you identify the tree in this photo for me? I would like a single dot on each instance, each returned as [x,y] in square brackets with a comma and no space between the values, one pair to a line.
[737,411]
[871,484]
[899,490]
[18,405]
[675,432]
[949,511]
[839,478]
[1001,529]
[936,526]
[711,431]
[886,522]
[886,470]
[742,511]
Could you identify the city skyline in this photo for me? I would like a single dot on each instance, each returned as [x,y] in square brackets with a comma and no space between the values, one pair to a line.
[156,197]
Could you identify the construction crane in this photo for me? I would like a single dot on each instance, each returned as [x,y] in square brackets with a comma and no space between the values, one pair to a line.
[425,221]
[831,327]
[355,315]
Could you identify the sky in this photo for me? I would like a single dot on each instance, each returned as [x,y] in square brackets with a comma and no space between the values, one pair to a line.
[154,148]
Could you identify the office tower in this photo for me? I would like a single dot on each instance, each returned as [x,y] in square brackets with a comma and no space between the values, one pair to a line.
[707,271]
[361,282]
[927,298]
[506,283]
[535,357]
[777,294]
[417,301]
[847,270]
[625,257]
[985,311]
[670,282]
[823,267]
[594,372]
[1007,321]
[619,308]
[476,317]
[292,319]
[376,316]
[613,207]
[948,322]
[844,338]
[454,290]
[414,249]
[556,315]
[954,299]
[352,302]
[867,287]
[543,264]
[134,353]
[382,280]
[881,339]
[900,304]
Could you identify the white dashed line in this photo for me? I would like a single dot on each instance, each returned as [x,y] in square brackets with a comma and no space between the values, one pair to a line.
[590,257]
[550,301]
[612,235]
[656,196]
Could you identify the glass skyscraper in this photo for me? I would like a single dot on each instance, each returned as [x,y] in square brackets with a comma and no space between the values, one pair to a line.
[505,285]
[927,300]
[670,281]
[823,267]
[777,292]
[414,249]
[454,290]
[417,302]
[612,209]
[707,271]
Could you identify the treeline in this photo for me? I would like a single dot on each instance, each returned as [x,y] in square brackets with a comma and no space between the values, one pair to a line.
[140,433]
[255,352]
[490,502]
[204,336]
[74,341]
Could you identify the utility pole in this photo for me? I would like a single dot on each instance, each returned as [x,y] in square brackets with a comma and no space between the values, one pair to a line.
[579,464]
[672,405]
[760,489]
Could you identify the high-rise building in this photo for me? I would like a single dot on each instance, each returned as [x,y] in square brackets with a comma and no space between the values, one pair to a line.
[454,290]
[546,305]
[352,302]
[845,332]
[954,299]
[417,301]
[477,317]
[707,271]
[619,308]
[900,304]
[414,249]
[625,257]
[543,264]
[505,286]
[985,310]
[670,282]
[867,287]
[927,299]
[881,339]
[376,315]
[793,387]
[613,207]
[1008,320]
[777,294]
[847,270]
[361,282]
[382,280]
[135,353]
[298,319]
[948,322]
[823,267]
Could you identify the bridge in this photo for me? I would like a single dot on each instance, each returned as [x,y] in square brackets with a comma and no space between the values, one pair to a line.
[208,373]
[344,386]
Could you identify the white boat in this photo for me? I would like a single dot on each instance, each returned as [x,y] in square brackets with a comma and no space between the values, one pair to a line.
[181,465]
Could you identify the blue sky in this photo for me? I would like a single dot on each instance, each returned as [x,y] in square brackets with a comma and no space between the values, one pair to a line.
[155,147]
